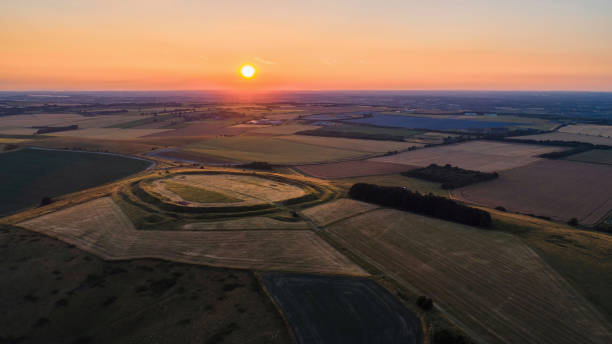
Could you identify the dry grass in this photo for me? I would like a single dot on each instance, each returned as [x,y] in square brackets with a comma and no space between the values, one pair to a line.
[107,133]
[288,129]
[249,223]
[490,283]
[485,156]
[325,214]
[368,146]
[113,146]
[588,129]
[199,195]
[108,233]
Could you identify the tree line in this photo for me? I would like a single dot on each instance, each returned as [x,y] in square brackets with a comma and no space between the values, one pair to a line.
[451,177]
[430,205]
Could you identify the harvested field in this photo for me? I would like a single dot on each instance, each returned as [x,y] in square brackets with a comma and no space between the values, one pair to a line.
[250,223]
[325,214]
[57,293]
[588,129]
[182,156]
[368,146]
[207,128]
[225,189]
[269,149]
[595,156]
[484,156]
[596,140]
[28,175]
[107,133]
[555,188]
[490,283]
[330,310]
[108,233]
[347,169]
[288,129]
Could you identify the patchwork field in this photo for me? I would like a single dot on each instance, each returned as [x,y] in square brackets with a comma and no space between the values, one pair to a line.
[368,146]
[555,188]
[57,293]
[557,136]
[107,133]
[250,223]
[429,123]
[490,283]
[206,128]
[38,120]
[223,189]
[588,129]
[330,212]
[28,175]
[330,310]
[595,156]
[288,129]
[484,156]
[270,149]
[108,233]
[347,169]
[182,156]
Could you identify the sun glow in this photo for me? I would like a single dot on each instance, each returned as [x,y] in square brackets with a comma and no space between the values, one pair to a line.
[247,71]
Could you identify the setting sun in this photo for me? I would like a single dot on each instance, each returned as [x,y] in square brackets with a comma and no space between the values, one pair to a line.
[247,71]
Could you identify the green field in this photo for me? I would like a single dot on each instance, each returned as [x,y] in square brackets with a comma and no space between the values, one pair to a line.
[272,150]
[194,194]
[595,156]
[372,130]
[28,175]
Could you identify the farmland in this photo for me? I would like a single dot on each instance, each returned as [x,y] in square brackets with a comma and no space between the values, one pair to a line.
[347,169]
[288,129]
[367,146]
[30,174]
[328,310]
[335,211]
[77,297]
[569,137]
[490,283]
[484,156]
[595,156]
[270,149]
[428,123]
[105,133]
[108,233]
[555,188]
[588,129]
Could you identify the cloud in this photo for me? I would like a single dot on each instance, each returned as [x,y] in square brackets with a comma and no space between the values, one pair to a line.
[264,61]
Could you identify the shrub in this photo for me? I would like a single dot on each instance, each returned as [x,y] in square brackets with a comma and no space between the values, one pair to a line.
[46,201]
[449,337]
[450,177]
[425,303]
[573,222]
[500,208]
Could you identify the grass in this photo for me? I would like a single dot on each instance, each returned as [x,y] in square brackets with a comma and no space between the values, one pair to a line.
[368,129]
[595,156]
[77,297]
[29,175]
[200,195]
[269,149]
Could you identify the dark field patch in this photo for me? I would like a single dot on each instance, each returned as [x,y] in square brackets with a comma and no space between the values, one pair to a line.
[52,294]
[330,310]
[429,123]
[28,175]
[348,169]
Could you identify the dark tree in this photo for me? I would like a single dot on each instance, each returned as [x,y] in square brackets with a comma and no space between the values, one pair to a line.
[46,201]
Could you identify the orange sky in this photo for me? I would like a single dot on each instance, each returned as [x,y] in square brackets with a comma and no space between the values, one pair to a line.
[188,44]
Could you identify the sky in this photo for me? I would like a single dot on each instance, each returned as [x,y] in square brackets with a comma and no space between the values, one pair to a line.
[306,45]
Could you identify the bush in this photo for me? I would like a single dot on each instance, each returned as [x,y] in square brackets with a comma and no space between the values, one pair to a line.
[425,303]
[573,222]
[257,165]
[449,337]
[430,205]
[451,177]
[500,208]
[46,201]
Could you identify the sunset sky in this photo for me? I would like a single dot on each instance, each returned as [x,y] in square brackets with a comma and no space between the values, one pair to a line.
[340,44]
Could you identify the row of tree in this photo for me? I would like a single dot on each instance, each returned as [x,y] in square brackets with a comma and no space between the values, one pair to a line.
[430,205]
[451,177]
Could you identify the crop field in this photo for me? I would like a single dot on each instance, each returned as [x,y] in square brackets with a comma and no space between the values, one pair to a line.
[429,123]
[368,129]
[85,144]
[182,156]
[57,293]
[367,146]
[107,133]
[269,149]
[331,309]
[288,129]
[595,156]
[490,283]
[588,129]
[347,169]
[557,136]
[250,223]
[206,128]
[484,156]
[108,233]
[555,188]
[223,189]
[325,214]
[37,120]
[28,175]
